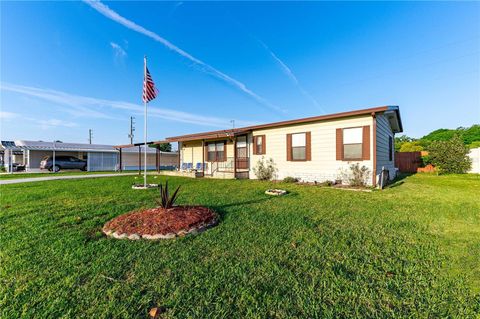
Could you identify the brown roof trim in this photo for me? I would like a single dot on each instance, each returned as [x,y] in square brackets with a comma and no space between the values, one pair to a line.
[141,144]
[223,133]
[208,135]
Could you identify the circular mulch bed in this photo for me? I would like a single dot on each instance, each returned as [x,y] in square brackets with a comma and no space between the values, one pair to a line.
[160,223]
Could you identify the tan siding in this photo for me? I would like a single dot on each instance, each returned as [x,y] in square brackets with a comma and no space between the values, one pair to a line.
[323,165]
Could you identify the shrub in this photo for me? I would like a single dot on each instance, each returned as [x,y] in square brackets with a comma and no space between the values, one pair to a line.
[165,200]
[265,170]
[356,175]
[450,156]
[290,179]
[413,146]
[426,160]
[326,183]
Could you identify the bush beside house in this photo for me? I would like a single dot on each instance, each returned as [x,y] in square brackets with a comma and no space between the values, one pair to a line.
[450,156]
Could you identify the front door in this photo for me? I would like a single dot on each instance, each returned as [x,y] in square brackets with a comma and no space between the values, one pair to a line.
[242,153]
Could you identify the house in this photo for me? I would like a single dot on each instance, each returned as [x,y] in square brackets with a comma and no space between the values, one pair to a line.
[312,149]
[28,154]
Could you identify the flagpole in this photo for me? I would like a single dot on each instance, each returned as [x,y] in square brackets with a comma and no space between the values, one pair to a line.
[145,127]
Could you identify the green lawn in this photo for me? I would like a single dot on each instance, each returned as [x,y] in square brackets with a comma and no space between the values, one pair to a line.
[410,251]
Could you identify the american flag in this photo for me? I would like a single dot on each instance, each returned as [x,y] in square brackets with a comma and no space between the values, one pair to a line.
[149,90]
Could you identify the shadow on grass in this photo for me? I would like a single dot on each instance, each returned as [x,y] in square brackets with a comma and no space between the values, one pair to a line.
[399,180]
[222,212]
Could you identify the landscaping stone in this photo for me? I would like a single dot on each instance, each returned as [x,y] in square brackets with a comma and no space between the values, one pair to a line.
[141,186]
[276,192]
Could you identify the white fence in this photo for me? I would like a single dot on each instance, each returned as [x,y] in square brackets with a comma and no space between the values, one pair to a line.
[475,156]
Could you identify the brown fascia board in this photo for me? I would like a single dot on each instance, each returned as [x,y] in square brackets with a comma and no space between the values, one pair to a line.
[222,133]
[138,144]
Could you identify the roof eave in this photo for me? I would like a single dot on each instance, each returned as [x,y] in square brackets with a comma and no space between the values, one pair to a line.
[220,134]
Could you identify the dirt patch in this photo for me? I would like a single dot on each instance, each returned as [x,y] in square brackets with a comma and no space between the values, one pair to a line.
[160,223]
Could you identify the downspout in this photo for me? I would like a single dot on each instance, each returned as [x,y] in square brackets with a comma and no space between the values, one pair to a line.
[374,146]
[235,157]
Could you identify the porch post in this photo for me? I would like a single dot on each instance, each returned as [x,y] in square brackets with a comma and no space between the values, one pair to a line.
[139,161]
[178,150]
[157,159]
[120,168]
[203,158]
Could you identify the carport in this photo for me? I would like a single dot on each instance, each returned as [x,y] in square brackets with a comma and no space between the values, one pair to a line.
[131,157]
[98,157]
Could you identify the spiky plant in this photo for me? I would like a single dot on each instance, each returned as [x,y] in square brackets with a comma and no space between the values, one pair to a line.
[165,200]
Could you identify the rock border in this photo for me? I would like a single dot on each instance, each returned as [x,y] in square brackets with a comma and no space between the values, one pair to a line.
[276,192]
[140,186]
[181,233]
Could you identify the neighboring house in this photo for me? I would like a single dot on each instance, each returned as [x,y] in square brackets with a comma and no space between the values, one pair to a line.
[312,149]
[98,157]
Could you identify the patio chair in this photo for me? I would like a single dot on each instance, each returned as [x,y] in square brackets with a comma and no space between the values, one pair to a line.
[184,166]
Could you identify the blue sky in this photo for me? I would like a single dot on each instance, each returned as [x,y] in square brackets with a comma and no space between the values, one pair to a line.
[67,67]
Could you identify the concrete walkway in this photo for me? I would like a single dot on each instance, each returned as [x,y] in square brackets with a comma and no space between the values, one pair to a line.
[50,178]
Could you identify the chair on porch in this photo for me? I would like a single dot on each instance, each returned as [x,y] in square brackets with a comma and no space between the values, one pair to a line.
[200,167]
[184,166]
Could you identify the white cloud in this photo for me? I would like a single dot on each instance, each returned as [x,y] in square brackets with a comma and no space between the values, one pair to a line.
[109,13]
[89,105]
[8,115]
[119,51]
[291,75]
[50,123]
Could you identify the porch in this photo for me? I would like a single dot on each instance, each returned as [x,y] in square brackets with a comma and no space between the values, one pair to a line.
[223,157]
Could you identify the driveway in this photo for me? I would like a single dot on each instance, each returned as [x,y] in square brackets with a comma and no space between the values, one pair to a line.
[50,178]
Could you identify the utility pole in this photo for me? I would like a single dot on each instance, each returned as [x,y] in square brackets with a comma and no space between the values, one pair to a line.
[90,135]
[233,124]
[132,129]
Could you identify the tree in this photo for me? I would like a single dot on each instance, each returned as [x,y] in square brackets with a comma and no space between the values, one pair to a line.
[475,144]
[411,147]
[166,147]
[450,156]
[399,140]
[467,134]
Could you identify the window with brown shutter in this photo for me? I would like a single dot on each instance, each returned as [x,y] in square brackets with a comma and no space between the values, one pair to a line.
[355,143]
[299,146]
[216,151]
[259,145]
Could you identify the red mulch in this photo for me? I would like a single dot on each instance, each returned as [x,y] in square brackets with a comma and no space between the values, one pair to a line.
[161,221]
